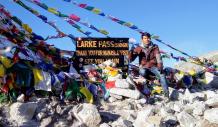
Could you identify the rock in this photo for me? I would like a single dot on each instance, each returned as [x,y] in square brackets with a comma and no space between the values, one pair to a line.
[139,106]
[61,123]
[111,99]
[213,102]
[210,94]
[121,123]
[22,112]
[129,106]
[46,122]
[184,101]
[42,106]
[199,108]
[87,114]
[205,123]
[170,106]
[129,115]
[66,110]
[116,96]
[40,116]
[211,115]
[78,124]
[21,98]
[211,80]
[58,109]
[186,120]
[69,118]
[135,94]
[142,117]
[165,111]
[104,125]
[30,123]
[51,112]
[54,104]
[108,116]
[122,83]
[177,107]
[189,108]
[154,120]
[169,121]
[142,101]
[195,96]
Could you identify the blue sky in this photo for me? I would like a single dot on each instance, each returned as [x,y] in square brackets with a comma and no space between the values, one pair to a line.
[189,25]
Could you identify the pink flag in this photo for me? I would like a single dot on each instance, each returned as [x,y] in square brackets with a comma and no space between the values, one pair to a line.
[74,17]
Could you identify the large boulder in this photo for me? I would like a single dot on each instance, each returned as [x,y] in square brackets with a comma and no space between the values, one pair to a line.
[199,108]
[46,122]
[87,114]
[213,102]
[142,116]
[211,115]
[122,83]
[186,120]
[22,112]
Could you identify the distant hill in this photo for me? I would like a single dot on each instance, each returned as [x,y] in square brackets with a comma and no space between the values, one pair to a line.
[187,66]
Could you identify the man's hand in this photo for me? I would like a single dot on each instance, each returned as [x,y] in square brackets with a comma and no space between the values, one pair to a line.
[137,50]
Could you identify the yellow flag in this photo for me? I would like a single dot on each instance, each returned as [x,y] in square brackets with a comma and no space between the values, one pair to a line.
[128,24]
[192,72]
[53,10]
[87,94]
[104,32]
[2,70]
[27,28]
[157,89]
[6,62]
[37,76]
[96,11]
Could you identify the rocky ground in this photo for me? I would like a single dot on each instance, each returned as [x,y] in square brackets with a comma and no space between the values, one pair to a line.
[198,109]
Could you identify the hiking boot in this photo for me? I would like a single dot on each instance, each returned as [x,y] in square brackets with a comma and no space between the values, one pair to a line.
[166,97]
[166,94]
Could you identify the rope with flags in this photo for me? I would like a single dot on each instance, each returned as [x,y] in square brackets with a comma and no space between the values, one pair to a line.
[100,13]
[69,18]
[44,19]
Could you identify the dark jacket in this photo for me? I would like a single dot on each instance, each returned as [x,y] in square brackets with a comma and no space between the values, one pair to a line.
[148,57]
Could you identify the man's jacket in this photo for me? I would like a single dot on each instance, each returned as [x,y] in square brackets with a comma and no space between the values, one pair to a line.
[148,57]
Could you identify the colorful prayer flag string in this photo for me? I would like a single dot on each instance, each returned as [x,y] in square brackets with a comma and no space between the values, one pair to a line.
[171,55]
[69,18]
[99,12]
[45,19]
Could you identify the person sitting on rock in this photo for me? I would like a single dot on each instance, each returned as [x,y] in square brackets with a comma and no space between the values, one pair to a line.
[149,60]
